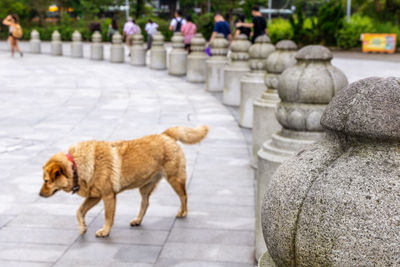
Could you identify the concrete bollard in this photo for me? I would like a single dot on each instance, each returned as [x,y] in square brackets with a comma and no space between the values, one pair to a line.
[196,65]
[35,42]
[252,84]
[235,70]
[264,121]
[96,47]
[117,51]
[158,54]
[216,63]
[337,202]
[138,52]
[177,56]
[305,90]
[56,45]
[76,45]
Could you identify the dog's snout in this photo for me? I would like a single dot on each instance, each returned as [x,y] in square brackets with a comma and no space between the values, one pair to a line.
[40,194]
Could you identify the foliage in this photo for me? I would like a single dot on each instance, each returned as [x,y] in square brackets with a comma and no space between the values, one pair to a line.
[329,21]
[349,35]
[302,28]
[205,25]
[280,29]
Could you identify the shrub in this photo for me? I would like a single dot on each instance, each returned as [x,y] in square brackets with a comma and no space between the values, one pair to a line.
[302,28]
[387,28]
[280,29]
[205,25]
[330,21]
[349,35]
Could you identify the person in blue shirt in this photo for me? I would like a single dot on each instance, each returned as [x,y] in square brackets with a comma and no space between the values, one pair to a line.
[221,26]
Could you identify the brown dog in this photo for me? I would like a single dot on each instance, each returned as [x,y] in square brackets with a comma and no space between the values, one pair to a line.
[99,170]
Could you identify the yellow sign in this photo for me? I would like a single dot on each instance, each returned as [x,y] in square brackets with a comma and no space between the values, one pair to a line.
[377,42]
[53,8]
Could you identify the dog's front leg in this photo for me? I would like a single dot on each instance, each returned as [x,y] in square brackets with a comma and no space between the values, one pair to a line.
[83,209]
[109,212]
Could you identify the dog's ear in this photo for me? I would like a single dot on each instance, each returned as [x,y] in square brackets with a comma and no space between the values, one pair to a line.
[57,169]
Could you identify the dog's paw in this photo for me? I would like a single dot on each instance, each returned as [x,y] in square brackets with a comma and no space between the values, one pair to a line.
[135,222]
[82,229]
[102,233]
[181,214]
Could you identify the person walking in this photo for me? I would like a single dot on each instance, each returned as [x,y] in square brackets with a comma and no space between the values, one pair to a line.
[177,22]
[112,28]
[150,28]
[14,33]
[130,29]
[221,26]
[258,24]
[241,30]
[188,31]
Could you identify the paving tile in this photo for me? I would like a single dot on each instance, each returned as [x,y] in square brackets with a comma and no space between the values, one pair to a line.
[227,223]
[30,252]
[4,263]
[38,235]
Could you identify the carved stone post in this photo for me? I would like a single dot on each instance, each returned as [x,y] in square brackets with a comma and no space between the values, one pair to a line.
[76,45]
[305,90]
[178,56]
[158,54]
[138,52]
[96,47]
[35,42]
[216,64]
[252,84]
[117,52]
[196,68]
[235,70]
[56,45]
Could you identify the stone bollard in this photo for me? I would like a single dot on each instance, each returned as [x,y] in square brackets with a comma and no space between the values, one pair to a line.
[235,70]
[264,121]
[216,64]
[252,84]
[96,47]
[196,65]
[337,202]
[138,52]
[158,54]
[305,90]
[117,51]
[76,45]
[178,56]
[35,42]
[56,45]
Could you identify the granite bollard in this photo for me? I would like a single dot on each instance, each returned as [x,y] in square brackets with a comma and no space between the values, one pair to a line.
[235,70]
[216,63]
[158,54]
[337,202]
[117,51]
[252,84]
[56,45]
[96,47]
[138,52]
[305,89]
[76,45]
[264,121]
[35,42]
[196,63]
[177,56]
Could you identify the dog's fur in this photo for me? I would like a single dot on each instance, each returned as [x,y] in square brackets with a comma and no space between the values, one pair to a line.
[107,168]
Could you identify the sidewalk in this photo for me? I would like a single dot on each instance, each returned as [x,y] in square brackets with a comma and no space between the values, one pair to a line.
[50,103]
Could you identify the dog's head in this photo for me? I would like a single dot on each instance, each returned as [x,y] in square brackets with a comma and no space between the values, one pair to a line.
[56,175]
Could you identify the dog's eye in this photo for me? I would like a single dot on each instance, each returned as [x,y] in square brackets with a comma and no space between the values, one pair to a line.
[46,181]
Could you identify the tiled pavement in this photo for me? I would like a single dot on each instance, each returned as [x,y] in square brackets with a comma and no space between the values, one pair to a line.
[48,103]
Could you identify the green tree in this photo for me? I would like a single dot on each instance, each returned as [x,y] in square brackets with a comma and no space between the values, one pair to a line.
[329,22]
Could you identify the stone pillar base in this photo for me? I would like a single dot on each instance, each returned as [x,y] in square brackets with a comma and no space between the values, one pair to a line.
[76,49]
[196,68]
[177,63]
[251,87]
[232,77]
[56,49]
[35,47]
[117,54]
[96,52]
[215,74]
[266,261]
[158,59]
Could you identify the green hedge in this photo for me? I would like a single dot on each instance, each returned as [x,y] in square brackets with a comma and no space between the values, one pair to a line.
[349,35]
[280,29]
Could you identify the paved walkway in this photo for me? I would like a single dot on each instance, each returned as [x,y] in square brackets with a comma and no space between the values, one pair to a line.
[49,103]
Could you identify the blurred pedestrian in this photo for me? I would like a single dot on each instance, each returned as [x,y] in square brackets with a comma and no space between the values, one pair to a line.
[94,26]
[177,22]
[258,24]
[112,28]
[14,33]
[242,30]
[188,31]
[221,26]
[151,27]
[130,29]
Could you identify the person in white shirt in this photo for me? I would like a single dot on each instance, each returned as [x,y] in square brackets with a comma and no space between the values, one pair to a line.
[177,22]
[150,28]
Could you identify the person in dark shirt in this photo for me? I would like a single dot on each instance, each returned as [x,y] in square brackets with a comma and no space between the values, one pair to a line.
[258,24]
[242,30]
[221,26]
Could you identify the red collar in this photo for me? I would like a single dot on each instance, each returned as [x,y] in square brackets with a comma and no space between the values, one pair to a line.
[75,187]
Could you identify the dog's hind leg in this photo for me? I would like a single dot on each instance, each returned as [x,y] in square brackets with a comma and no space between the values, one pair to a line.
[145,192]
[84,208]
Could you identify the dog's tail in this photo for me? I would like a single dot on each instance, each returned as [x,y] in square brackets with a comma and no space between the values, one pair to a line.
[187,135]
